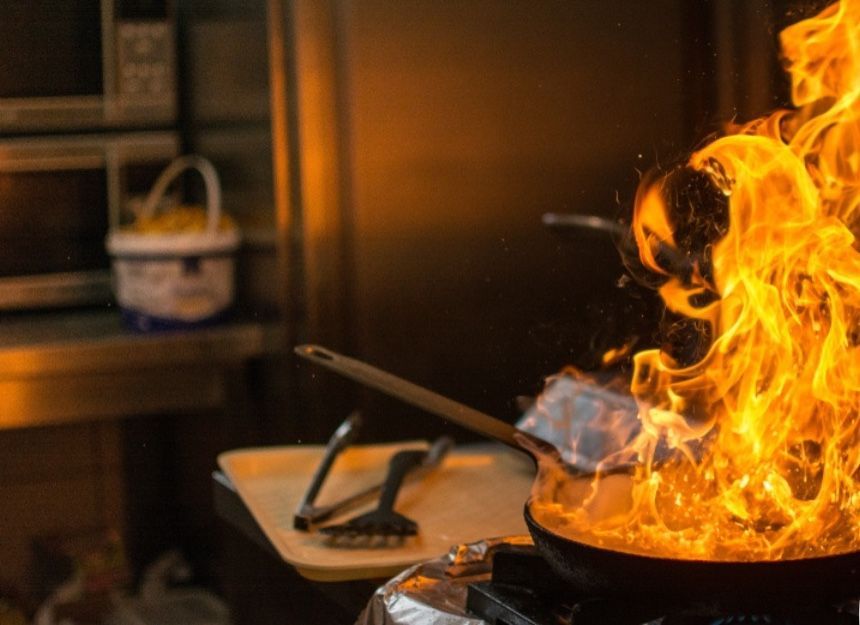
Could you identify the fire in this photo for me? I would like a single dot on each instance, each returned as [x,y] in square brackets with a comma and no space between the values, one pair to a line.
[751,449]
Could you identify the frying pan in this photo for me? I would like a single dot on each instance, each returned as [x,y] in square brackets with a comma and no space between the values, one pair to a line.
[601,572]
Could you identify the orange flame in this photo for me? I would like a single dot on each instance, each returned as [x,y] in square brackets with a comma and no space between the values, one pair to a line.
[753,451]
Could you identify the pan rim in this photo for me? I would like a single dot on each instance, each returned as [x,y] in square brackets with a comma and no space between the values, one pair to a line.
[533,524]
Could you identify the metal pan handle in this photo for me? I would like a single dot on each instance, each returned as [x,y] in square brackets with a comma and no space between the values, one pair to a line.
[416,395]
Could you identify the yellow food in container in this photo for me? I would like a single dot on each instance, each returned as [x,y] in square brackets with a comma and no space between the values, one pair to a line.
[183,218]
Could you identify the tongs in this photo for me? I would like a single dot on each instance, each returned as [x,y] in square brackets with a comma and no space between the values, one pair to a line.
[308,514]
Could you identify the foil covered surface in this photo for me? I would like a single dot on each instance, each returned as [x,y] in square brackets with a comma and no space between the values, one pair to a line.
[437,588]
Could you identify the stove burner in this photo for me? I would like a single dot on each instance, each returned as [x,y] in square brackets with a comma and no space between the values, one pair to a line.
[524,591]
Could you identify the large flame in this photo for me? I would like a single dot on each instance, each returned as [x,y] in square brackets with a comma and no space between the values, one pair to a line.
[751,451]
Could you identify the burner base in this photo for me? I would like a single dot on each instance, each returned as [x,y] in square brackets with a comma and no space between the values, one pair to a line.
[525,591]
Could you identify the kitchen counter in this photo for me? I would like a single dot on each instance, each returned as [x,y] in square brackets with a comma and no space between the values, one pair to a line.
[60,367]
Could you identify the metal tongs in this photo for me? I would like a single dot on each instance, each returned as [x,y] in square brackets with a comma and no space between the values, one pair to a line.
[308,514]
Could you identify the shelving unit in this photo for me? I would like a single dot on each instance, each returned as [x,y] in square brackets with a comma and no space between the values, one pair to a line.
[83,365]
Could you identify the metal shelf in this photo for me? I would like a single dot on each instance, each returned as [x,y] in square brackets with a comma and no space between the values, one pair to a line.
[83,365]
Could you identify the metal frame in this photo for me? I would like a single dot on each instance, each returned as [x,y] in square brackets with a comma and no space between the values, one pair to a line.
[112,108]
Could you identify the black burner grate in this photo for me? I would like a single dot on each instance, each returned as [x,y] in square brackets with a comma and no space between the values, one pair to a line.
[525,591]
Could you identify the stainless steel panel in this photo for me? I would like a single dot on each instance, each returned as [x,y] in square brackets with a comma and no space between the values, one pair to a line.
[429,139]
[80,366]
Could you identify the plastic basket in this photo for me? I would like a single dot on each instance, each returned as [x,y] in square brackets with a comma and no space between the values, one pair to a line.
[178,280]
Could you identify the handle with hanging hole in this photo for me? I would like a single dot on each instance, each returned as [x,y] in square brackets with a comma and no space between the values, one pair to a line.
[428,400]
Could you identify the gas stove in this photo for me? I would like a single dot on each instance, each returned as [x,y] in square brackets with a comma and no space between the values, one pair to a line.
[523,590]
[504,581]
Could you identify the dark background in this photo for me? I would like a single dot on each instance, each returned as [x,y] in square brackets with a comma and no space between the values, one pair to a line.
[425,142]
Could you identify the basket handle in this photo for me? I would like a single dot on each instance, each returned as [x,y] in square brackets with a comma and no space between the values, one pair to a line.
[172,171]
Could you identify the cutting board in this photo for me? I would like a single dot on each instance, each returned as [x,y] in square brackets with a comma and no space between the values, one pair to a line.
[476,493]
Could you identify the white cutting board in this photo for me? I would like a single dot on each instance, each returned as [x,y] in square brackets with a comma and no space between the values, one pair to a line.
[476,493]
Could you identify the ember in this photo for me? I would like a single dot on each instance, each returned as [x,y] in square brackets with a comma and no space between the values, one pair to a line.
[750,451]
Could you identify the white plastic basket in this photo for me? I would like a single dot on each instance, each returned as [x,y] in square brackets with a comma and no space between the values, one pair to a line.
[175,280]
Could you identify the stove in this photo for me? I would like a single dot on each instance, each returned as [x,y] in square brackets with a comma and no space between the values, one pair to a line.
[523,590]
[504,581]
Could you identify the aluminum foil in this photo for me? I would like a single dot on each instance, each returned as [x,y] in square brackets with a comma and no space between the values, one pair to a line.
[584,421]
[436,589]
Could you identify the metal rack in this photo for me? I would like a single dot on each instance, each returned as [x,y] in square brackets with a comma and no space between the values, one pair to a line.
[83,365]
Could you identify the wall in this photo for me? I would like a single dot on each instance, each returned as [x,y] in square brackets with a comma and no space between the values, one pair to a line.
[429,139]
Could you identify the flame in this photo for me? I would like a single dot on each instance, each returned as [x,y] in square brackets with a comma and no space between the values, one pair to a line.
[751,451]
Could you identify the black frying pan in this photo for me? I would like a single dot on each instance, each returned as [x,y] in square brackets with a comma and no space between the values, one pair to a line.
[601,572]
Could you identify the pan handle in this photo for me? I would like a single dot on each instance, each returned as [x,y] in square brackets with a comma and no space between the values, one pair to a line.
[416,395]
